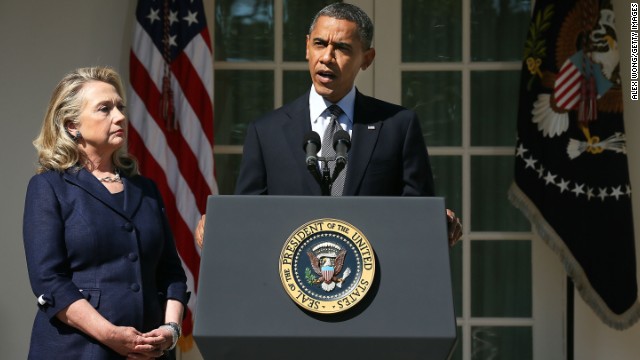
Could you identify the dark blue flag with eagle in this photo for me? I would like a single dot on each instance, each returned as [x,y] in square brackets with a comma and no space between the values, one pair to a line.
[571,171]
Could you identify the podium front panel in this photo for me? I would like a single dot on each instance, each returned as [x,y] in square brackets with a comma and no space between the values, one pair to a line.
[243,311]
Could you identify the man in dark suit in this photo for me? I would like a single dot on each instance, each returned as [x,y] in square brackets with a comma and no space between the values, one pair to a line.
[388,156]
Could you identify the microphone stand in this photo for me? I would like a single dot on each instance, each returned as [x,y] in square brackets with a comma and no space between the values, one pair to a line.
[337,170]
[326,181]
[323,176]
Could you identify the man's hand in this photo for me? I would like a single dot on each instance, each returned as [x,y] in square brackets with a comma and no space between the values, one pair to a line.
[454,226]
[198,234]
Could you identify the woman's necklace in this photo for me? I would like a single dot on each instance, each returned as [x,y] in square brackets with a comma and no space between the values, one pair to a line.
[109,179]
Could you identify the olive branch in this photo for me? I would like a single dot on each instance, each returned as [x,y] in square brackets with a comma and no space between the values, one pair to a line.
[309,277]
[535,47]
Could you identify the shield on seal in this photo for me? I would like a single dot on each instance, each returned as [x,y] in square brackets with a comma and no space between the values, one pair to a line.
[327,271]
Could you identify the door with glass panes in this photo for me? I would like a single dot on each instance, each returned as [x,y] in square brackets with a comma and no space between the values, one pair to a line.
[457,64]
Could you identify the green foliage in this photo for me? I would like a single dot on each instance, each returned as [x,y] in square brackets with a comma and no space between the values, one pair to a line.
[309,277]
[535,46]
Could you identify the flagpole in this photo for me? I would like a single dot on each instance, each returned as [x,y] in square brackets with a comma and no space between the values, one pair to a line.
[570,318]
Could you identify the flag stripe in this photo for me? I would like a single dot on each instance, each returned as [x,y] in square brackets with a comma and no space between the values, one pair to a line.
[199,135]
[569,86]
[177,155]
[176,216]
[186,161]
[148,55]
[199,52]
[568,70]
[155,153]
[567,89]
[194,91]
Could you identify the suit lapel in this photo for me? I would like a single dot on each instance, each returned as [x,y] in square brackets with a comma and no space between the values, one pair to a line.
[87,182]
[132,195]
[295,127]
[366,128]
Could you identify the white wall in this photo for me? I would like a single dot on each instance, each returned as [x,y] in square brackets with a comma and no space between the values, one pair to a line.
[42,40]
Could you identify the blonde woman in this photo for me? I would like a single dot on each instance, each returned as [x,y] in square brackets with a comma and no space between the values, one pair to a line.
[102,262]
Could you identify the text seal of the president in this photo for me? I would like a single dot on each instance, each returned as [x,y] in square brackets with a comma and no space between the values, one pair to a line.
[327,266]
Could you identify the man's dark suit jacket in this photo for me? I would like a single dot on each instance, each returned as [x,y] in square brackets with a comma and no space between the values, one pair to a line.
[81,243]
[388,156]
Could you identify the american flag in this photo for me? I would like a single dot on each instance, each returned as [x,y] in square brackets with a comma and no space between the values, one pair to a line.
[171,119]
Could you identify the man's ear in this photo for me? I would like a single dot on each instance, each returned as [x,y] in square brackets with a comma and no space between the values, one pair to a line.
[369,55]
[306,56]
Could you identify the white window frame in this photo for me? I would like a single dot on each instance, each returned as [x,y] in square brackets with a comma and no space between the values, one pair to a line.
[383,80]
[548,278]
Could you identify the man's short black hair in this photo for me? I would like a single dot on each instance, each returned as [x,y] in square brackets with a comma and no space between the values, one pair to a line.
[349,12]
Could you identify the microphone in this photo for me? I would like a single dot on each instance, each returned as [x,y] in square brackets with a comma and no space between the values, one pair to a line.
[342,144]
[311,146]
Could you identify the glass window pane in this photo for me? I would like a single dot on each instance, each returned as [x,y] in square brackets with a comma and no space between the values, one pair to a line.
[241,96]
[494,107]
[228,167]
[489,19]
[447,176]
[297,19]
[491,177]
[501,343]
[437,98]
[501,278]
[244,30]
[295,84]
[431,30]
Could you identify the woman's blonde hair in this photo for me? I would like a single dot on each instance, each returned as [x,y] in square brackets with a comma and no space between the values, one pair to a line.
[56,148]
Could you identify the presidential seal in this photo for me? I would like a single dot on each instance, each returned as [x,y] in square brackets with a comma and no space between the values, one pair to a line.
[327,266]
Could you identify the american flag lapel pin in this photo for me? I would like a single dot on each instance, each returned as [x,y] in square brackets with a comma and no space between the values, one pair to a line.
[371,127]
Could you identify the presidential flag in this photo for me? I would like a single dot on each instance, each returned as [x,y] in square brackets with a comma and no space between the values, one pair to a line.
[171,119]
[571,171]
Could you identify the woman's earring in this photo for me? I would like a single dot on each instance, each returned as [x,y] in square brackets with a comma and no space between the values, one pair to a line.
[75,137]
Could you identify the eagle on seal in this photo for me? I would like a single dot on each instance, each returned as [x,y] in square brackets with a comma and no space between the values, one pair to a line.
[326,270]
